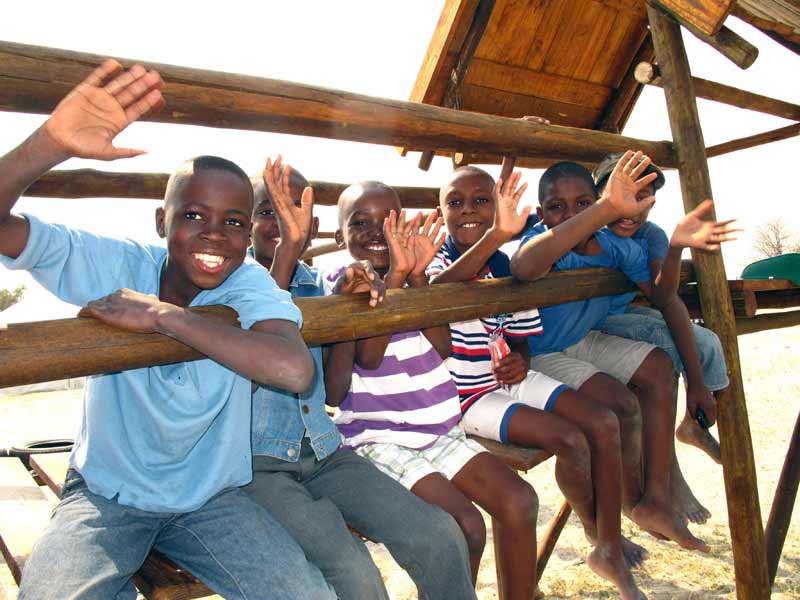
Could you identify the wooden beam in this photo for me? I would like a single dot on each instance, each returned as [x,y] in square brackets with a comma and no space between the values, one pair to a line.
[88,183]
[648,73]
[750,141]
[738,465]
[780,515]
[767,322]
[34,79]
[321,250]
[766,27]
[624,99]
[729,43]
[49,350]
[705,15]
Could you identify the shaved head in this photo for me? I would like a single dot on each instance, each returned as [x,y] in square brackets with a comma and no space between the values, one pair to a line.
[189,168]
[356,191]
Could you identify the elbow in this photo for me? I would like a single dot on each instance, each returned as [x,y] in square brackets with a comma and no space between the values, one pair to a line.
[369,362]
[299,376]
[525,272]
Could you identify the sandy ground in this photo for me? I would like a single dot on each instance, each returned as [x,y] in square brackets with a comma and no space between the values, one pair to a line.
[771,363]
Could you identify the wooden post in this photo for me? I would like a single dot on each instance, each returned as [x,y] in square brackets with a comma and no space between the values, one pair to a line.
[780,516]
[744,512]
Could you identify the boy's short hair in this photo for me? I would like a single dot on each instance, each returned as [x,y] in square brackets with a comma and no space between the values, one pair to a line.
[356,190]
[205,163]
[472,169]
[603,170]
[562,170]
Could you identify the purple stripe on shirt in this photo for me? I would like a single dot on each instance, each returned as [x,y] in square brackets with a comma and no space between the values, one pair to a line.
[413,400]
[391,365]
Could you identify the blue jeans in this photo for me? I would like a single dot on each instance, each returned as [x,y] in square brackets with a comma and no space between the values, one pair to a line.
[646,324]
[93,546]
[316,500]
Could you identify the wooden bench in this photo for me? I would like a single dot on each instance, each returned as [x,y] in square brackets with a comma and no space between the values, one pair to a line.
[25,510]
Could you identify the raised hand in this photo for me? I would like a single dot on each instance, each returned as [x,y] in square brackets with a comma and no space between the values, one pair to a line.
[86,121]
[128,310]
[507,194]
[294,222]
[625,182]
[400,242]
[361,277]
[693,232]
[427,242]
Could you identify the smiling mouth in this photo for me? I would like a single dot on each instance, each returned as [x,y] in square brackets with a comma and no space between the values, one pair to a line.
[211,263]
[626,223]
[377,247]
[469,225]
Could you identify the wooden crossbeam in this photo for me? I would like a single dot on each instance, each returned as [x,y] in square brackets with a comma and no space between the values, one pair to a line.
[759,139]
[89,183]
[648,73]
[48,350]
[627,92]
[33,79]
[706,15]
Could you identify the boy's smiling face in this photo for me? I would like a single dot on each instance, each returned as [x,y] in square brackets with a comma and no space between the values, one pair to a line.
[467,205]
[206,221]
[565,198]
[628,226]
[361,226]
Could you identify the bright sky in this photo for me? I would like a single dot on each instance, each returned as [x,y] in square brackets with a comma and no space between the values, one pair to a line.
[373,48]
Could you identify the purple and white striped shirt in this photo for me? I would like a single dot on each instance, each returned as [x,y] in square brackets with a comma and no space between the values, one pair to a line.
[409,400]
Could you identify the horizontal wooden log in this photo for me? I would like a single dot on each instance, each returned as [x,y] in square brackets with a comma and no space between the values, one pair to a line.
[744,303]
[49,350]
[778,298]
[751,141]
[767,322]
[648,73]
[321,250]
[34,79]
[89,183]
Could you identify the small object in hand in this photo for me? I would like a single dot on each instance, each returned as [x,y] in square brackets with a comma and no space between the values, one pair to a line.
[701,418]
[498,348]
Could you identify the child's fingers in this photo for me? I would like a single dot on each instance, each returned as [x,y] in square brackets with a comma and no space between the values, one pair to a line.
[702,209]
[639,168]
[118,153]
[307,199]
[108,68]
[150,103]
[437,227]
[644,181]
[124,79]
[519,193]
[645,203]
[440,242]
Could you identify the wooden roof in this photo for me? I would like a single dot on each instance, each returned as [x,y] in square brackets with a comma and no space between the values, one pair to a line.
[779,19]
[569,61]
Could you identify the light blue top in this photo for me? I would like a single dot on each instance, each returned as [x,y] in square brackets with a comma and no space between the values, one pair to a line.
[654,244]
[280,418]
[566,324]
[166,439]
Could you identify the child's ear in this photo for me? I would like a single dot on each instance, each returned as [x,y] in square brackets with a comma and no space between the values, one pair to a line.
[539,212]
[338,237]
[160,229]
[314,228]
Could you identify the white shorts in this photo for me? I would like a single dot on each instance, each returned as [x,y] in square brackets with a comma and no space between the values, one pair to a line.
[448,454]
[596,353]
[489,416]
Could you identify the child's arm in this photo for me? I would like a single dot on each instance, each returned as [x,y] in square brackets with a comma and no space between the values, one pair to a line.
[272,352]
[425,247]
[513,368]
[535,258]
[294,222]
[507,223]
[82,125]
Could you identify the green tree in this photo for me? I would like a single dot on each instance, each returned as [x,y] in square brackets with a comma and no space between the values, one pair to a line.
[9,298]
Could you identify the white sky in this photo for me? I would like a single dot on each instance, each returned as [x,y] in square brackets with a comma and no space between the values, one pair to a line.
[373,48]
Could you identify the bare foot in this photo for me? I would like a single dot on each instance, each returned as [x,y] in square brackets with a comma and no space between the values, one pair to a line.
[689,432]
[634,554]
[663,520]
[614,569]
[684,500]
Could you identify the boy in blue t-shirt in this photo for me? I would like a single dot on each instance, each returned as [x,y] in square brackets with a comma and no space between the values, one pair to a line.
[695,351]
[571,237]
[301,473]
[162,451]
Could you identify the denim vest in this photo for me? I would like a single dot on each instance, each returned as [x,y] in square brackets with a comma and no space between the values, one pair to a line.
[280,419]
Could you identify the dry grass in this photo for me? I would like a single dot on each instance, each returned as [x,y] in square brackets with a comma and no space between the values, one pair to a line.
[770,363]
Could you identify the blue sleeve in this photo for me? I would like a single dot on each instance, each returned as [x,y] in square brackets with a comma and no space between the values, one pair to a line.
[254,295]
[632,260]
[78,266]
[656,241]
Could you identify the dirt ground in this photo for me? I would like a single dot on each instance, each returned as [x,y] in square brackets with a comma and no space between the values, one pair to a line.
[770,362]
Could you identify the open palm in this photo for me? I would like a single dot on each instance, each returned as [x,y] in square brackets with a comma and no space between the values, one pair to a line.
[693,232]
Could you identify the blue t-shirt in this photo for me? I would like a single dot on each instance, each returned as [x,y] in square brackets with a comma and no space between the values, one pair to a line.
[654,244]
[168,438]
[566,324]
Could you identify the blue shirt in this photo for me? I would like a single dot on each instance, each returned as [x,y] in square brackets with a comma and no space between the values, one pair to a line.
[280,418]
[168,438]
[654,244]
[566,324]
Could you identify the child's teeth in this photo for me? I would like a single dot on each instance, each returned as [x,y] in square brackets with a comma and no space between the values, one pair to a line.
[209,259]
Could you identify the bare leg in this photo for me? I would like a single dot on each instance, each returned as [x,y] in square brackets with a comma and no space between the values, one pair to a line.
[656,511]
[437,489]
[688,505]
[689,432]
[610,393]
[514,505]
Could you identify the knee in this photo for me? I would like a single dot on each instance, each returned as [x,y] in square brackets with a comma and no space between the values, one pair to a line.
[605,427]
[573,448]
[520,506]
[474,529]
[654,369]
[626,406]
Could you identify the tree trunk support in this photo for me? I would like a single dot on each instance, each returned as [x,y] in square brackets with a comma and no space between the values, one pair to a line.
[744,515]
